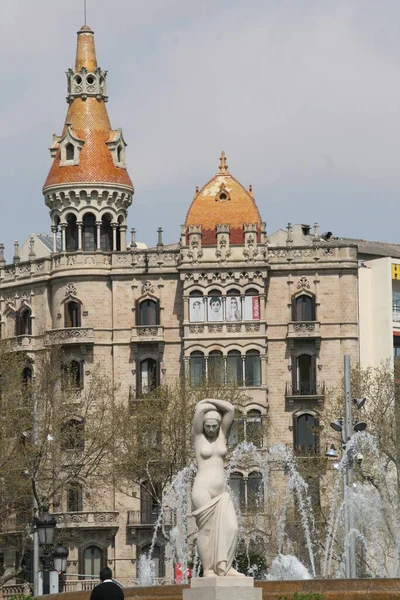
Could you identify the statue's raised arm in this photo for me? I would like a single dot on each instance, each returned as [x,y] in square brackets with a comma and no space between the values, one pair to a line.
[213,507]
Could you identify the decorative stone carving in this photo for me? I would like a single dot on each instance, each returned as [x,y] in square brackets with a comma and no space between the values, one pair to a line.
[90,260]
[107,260]
[71,260]
[147,331]
[303,327]
[303,283]
[215,328]
[196,328]
[252,327]
[147,287]
[70,289]
[233,327]
[328,252]
[40,266]
[66,334]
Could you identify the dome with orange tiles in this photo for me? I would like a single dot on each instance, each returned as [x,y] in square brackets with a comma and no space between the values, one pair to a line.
[88,150]
[223,200]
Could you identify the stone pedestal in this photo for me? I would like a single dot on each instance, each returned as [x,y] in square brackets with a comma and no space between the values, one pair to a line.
[222,588]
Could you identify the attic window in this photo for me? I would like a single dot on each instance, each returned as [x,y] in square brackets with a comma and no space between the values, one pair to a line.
[69,152]
[305,229]
[223,196]
[119,153]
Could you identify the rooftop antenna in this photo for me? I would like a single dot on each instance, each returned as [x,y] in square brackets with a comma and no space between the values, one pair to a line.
[84,11]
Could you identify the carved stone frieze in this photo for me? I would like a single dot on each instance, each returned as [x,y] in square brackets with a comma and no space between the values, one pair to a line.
[302,327]
[147,287]
[215,328]
[147,331]
[252,327]
[196,328]
[70,289]
[303,283]
[233,327]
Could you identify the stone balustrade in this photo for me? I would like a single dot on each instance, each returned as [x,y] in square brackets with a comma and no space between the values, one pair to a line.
[147,333]
[69,335]
[87,520]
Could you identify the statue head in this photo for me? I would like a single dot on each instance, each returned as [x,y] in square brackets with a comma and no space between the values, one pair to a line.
[212,422]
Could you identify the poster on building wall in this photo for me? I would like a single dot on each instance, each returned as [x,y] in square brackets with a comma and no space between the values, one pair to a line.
[233,308]
[196,310]
[251,308]
[214,312]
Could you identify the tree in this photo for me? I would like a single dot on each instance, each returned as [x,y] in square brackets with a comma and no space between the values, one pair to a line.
[53,432]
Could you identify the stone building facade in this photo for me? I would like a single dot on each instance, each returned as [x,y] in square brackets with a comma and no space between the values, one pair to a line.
[273,315]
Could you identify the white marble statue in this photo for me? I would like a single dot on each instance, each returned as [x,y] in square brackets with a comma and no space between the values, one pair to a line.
[213,507]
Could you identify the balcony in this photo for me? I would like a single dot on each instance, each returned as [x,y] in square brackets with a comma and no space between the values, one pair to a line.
[300,330]
[305,391]
[23,343]
[69,335]
[232,330]
[88,520]
[145,519]
[147,334]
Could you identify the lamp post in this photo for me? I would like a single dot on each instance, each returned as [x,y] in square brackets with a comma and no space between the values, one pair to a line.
[54,560]
[346,427]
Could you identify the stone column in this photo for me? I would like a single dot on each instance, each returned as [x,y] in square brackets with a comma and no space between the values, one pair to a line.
[54,230]
[98,236]
[63,237]
[79,224]
[122,229]
[114,234]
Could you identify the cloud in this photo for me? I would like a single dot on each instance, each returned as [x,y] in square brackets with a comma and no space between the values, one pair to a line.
[303,97]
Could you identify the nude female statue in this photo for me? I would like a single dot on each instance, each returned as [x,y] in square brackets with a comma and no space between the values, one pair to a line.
[213,507]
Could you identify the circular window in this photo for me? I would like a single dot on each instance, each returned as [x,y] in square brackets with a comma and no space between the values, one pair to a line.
[90,80]
[223,196]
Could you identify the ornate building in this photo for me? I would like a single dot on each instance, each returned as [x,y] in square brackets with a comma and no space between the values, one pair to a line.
[272,315]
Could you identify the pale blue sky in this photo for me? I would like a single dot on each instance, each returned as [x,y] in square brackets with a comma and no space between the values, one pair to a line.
[303,96]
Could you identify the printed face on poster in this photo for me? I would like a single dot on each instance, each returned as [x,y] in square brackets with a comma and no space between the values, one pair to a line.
[196,310]
[215,308]
[233,308]
[252,308]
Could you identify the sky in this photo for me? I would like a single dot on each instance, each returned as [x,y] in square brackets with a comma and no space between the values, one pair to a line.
[302,95]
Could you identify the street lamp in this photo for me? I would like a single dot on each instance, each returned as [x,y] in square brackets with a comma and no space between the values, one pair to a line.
[46,525]
[60,559]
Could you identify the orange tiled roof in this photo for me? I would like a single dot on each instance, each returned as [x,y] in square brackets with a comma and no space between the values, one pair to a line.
[208,210]
[90,123]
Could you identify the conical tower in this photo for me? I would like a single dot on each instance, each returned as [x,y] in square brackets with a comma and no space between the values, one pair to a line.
[88,189]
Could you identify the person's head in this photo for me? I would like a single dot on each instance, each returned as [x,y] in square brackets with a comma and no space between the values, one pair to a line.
[212,422]
[234,303]
[215,304]
[105,573]
[196,305]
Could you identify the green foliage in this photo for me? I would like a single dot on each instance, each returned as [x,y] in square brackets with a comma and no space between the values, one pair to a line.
[251,563]
[21,597]
[305,596]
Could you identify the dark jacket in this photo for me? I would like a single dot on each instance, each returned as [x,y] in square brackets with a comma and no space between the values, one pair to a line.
[107,591]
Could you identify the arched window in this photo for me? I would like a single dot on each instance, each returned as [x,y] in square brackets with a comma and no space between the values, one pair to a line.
[71,234]
[214,306]
[72,314]
[252,368]
[254,427]
[305,435]
[233,306]
[251,305]
[197,368]
[236,483]
[24,322]
[74,498]
[196,307]
[69,152]
[73,435]
[215,368]
[157,557]
[303,308]
[106,234]
[148,376]
[234,368]
[304,379]
[89,233]
[92,560]
[148,312]
[27,376]
[255,490]
[149,504]
[72,375]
